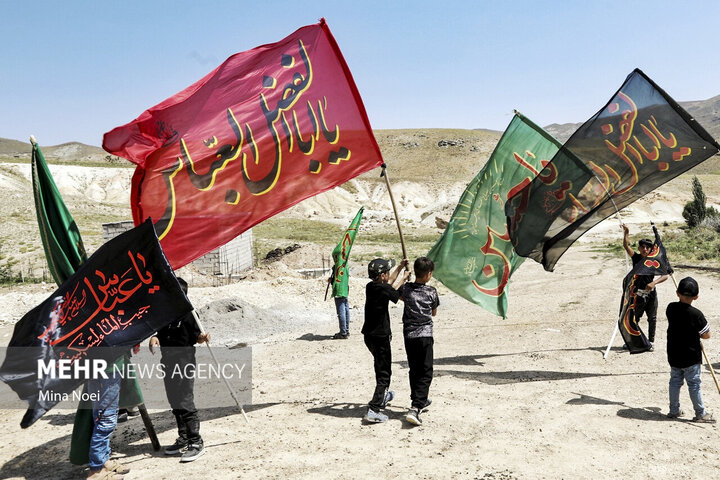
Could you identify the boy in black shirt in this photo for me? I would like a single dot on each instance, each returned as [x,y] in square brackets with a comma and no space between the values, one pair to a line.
[686,326]
[177,348]
[376,329]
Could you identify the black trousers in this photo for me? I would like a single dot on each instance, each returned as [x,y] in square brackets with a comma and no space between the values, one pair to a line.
[649,306]
[420,361]
[382,361]
[179,382]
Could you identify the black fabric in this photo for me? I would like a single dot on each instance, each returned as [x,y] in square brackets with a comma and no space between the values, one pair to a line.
[382,362]
[420,361]
[179,364]
[642,280]
[183,333]
[685,325]
[119,297]
[377,298]
[638,141]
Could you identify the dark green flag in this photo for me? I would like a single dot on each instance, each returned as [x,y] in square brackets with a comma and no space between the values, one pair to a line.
[474,257]
[340,256]
[60,236]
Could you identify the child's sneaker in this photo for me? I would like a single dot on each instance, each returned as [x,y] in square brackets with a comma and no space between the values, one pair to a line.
[707,418]
[389,395]
[413,416]
[680,413]
[177,448]
[193,452]
[375,417]
[427,405]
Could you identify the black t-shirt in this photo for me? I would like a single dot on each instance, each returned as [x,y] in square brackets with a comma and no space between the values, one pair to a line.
[181,333]
[377,298]
[685,325]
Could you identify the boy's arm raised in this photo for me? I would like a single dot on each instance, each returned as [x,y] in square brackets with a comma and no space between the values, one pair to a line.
[394,273]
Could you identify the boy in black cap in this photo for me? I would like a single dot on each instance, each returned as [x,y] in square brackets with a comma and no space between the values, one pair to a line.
[686,326]
[376,329]
[647,295]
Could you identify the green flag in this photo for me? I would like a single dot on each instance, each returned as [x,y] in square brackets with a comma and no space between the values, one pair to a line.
[60,236]
[474,256]
[341,254]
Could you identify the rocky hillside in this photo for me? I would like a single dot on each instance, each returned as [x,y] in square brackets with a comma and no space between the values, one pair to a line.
[428,169]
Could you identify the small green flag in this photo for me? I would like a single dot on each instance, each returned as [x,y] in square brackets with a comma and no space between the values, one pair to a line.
[60,236]
[341,254]
[474,257]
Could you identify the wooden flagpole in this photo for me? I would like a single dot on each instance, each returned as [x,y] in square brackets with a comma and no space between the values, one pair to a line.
[212,354]
[397,219]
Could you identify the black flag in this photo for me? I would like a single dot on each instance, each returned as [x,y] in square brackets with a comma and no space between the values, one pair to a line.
[641,139]
[119,297]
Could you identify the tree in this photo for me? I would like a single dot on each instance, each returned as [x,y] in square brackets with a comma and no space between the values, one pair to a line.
[695,211]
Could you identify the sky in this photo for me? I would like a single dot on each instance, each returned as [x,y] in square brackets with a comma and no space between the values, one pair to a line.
[73,70]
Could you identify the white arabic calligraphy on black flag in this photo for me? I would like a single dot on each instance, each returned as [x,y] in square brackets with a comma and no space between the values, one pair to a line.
[119,297]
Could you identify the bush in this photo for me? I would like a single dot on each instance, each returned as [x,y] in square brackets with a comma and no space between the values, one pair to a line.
[695,211]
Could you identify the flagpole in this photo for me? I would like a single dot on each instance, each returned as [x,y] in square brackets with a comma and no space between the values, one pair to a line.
[212,354]
[616,330]
[397,219]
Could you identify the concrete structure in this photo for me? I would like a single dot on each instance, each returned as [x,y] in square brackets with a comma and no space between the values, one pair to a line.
[230,259]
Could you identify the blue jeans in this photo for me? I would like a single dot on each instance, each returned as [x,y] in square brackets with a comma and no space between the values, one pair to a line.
[105,411]
[343,313]
[692,376]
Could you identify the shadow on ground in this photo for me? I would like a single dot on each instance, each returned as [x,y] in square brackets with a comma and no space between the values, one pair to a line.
[311,337]
[49,460]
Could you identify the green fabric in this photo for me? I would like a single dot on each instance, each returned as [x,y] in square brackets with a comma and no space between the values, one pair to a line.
[474,257]
[340,256]
[130,396]
[60,236]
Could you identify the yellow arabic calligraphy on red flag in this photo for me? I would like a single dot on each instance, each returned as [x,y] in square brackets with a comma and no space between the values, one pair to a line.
[266,129]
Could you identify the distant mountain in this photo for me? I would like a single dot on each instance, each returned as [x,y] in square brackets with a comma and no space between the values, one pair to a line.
[72,152]
[417,152]
[706,112]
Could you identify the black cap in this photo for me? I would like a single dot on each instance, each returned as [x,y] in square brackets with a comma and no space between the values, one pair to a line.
[647,242]
[379,265]
[688,286]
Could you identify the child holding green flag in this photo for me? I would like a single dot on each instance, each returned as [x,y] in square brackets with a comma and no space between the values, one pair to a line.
[339,276]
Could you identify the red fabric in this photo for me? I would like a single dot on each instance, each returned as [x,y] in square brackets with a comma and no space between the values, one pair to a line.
[266,129]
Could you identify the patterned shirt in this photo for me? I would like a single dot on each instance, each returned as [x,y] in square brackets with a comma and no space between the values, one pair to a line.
[420,300]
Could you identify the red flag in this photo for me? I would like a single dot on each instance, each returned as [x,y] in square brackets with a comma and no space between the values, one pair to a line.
[266,129]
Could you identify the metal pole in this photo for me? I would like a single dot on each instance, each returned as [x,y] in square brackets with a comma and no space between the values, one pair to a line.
[212,354]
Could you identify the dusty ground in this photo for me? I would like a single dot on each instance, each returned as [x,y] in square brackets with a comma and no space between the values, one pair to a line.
[528,397]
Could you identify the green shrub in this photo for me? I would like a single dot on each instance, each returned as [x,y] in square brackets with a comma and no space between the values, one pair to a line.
[695,211]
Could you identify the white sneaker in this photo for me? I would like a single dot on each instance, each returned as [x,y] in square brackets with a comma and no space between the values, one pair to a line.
[375,417]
